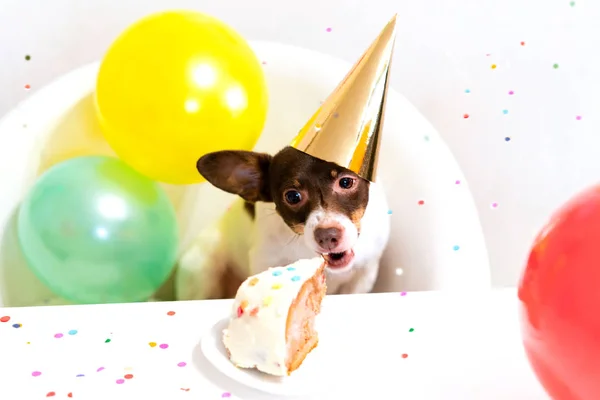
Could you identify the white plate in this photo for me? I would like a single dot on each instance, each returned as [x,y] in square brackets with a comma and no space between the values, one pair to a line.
[303,381]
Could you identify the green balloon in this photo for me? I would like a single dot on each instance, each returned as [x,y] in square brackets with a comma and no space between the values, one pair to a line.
[96,231]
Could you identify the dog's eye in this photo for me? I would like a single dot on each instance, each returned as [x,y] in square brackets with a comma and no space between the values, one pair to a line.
[293,197]
[346,183]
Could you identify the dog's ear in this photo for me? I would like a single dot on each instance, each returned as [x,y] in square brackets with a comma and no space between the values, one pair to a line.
[244,173]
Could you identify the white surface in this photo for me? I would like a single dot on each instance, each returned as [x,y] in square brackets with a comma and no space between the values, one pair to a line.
[438,245]
[442,51]
[462,348]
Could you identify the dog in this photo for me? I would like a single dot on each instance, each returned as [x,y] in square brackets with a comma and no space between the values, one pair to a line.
[292,206]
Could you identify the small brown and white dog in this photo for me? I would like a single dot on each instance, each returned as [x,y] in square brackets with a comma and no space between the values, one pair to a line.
[292,206]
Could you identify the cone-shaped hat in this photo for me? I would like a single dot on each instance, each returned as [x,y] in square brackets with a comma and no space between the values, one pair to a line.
[347,128]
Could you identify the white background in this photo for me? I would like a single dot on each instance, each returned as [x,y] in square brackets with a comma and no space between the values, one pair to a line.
[444,49]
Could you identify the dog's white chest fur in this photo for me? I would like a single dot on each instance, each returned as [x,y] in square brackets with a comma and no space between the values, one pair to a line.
[251,245]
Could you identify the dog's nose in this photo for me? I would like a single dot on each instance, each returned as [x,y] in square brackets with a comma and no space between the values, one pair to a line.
[328,238]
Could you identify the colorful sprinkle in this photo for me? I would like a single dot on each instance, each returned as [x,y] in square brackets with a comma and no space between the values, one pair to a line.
[253,281]
[27,57]
[244,304]
[58,335]
[504,112]
[493,66]
[152,344]
[389,212]
[465,116]
[181,364]
[171,313]
[164,346]
[467,91]
[402,293]
[100,369]
[17,325]
[27,87]
[36,373]
[240,312]
[404,355]
[494,205]
[128,376]
[421,202]
[457,182]
[456,247]
[578,118]
[411,330]
[120,381]
[70,394]
[276,273]
[267,301]
[507,139]
[73,332]
[572,4]
[295,278]
[185,389]
[276,286]
[510,92]
[426,138]
[79,376]
[328,30]
[50,394]
[264,63]
[226,395]
[5,319]
[107,341]
[555,66]
[253,312]
[291,268]
[522,43]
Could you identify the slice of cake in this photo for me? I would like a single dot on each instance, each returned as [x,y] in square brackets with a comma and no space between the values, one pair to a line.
[272,325]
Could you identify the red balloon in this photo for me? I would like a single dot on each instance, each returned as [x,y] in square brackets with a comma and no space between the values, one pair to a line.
[560,301]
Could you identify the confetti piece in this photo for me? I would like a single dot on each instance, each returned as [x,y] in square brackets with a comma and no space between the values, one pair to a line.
[457,182]
[504,112]
[28,342]
[402,293]
[555,66]
[328,30]
[467,91]
[253,282]
[100,369]
[50,394]
[181,364]
[120,381]
[17,325]
[36,373]
[171,313]
[465,116]
[421,202]
[27,57]
[291,268]
[522,43]
[456,247]
[70,394]
[507,139]
[226,395]
[107,341]
[276,286]
[389,212]
[494,205]
[295,278]
[58,335]
[5,319]
[164,346]
[493,66]
[128,376]
[399,271]
[404,355]
[79,376]
[73,332]
[152,344]
[411,330]
[276,273]
[578,118]
[510,92]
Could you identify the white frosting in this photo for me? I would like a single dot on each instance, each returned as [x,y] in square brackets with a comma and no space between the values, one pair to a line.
[255,336]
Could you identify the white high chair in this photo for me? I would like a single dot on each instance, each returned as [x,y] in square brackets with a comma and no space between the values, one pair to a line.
[436,241]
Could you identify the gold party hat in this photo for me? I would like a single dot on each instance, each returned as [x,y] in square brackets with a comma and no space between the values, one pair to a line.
[347,128]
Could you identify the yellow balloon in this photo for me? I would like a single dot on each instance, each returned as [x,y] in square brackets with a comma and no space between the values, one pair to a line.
[175,86]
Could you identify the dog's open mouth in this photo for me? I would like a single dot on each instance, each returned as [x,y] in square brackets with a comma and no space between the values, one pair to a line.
[339,260]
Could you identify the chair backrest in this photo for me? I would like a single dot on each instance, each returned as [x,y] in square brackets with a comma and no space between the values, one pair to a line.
[434,245]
